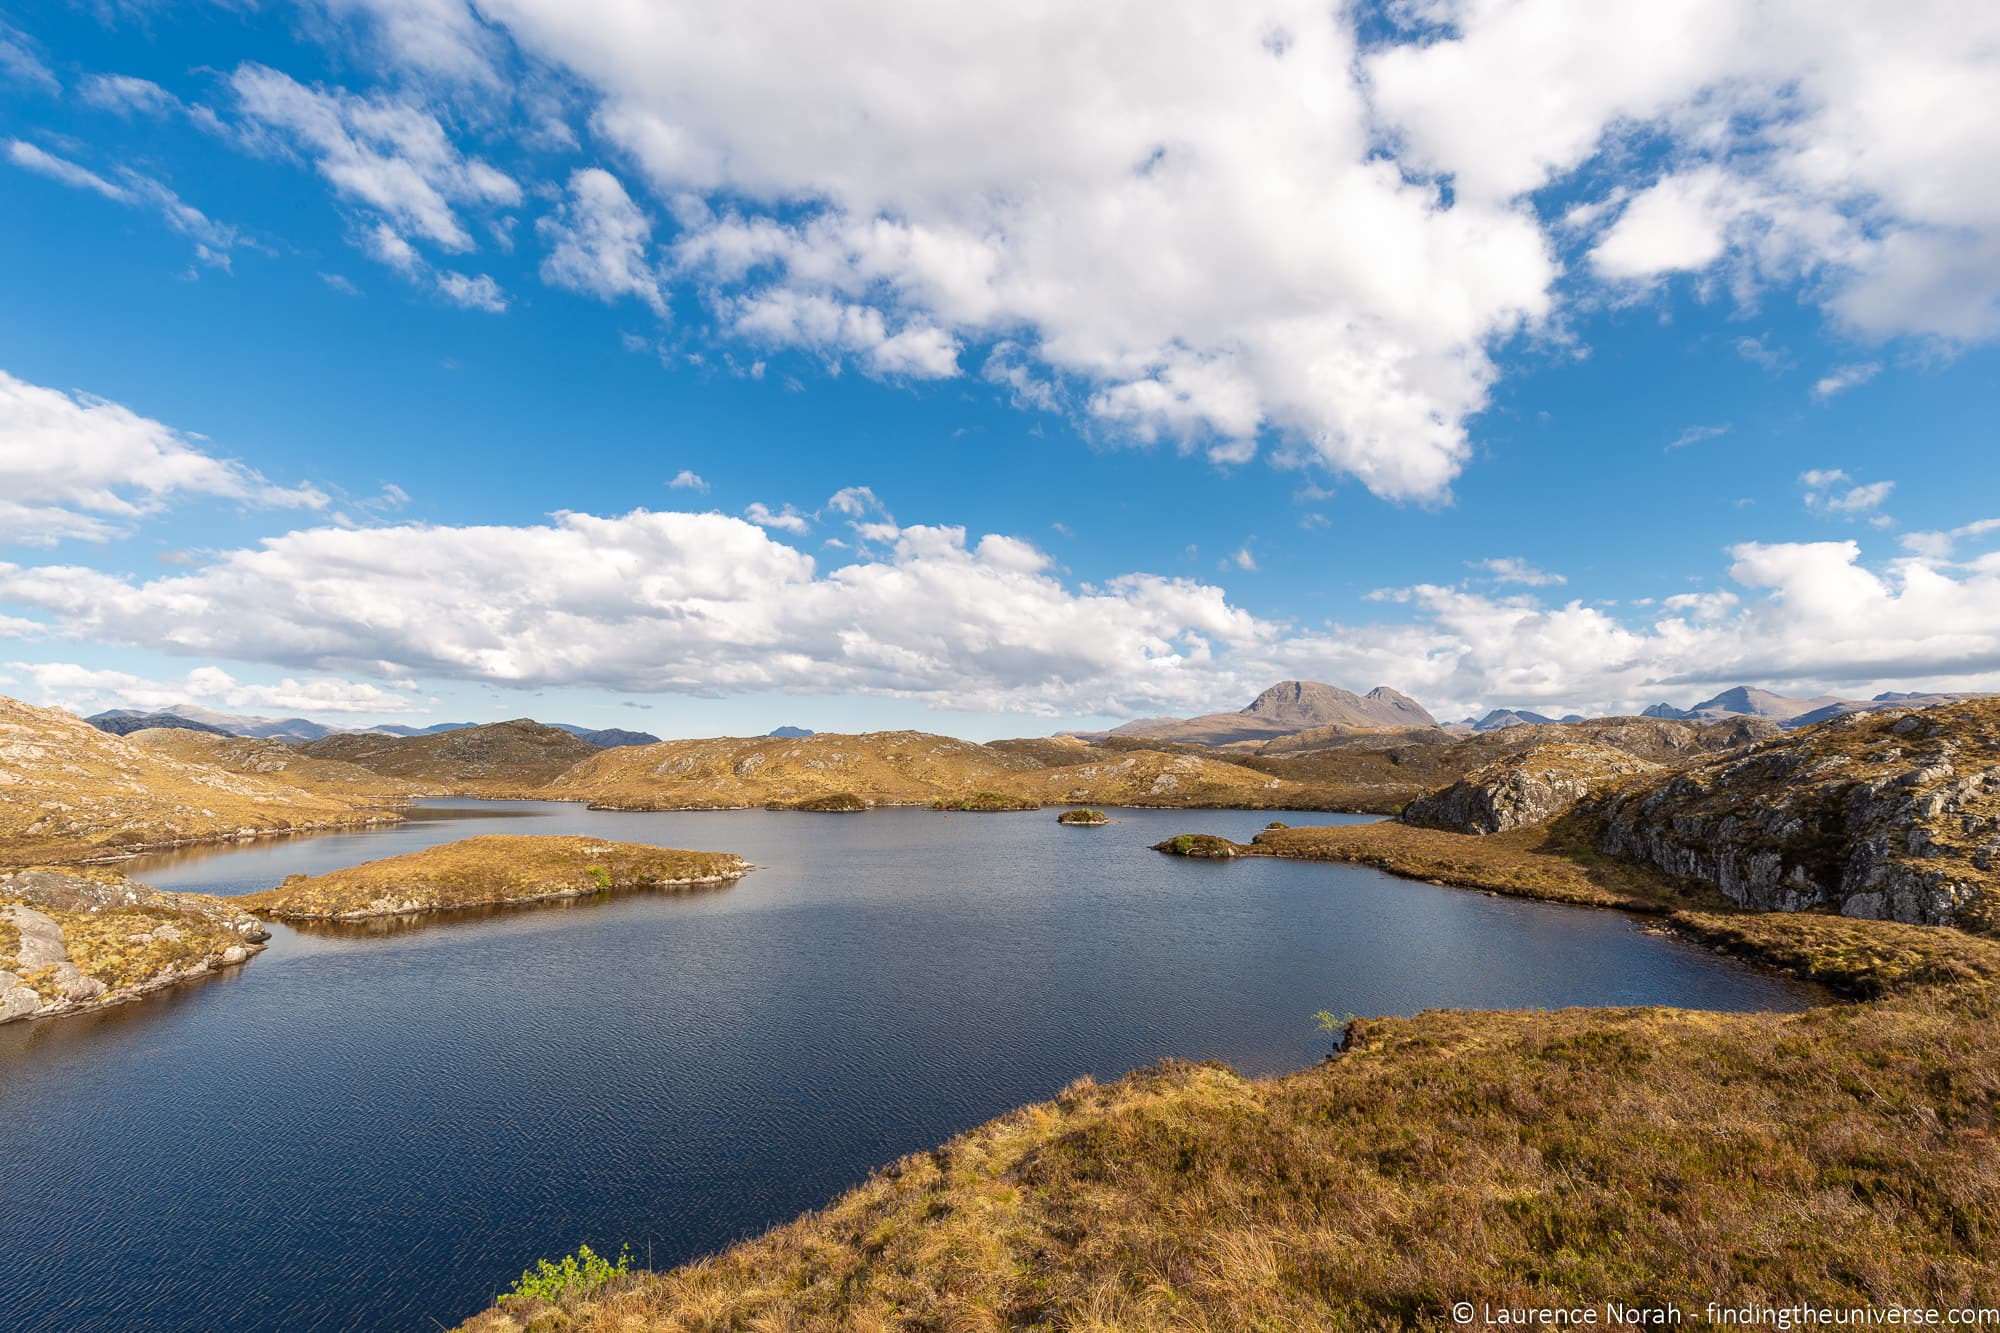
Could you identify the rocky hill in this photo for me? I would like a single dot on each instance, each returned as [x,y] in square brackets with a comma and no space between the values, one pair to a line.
[1791,712]
[1287,707]
[498,759]
[126,723]
[1890,814]
[71,792]
[1526,787]
[276,760]
[73,939]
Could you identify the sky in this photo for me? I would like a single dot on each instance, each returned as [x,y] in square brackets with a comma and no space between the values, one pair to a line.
[709,366]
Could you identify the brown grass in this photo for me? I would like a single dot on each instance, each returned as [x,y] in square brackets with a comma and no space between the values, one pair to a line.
[1556,861]
[498,868]
[1841,1156]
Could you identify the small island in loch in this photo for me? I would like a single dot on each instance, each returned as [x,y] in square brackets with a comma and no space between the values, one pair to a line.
[1083,817]
[482,872]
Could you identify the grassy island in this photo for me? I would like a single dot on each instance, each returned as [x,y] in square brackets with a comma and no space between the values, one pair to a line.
[986,802]
[1083,816]
[478,872]
[834,803]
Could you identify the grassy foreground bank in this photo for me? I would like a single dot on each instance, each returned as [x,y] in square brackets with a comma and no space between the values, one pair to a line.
[1841,1156]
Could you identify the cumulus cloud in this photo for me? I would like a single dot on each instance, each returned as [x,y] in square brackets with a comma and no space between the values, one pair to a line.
[686,480]
[76,466]
[707,604]
[89,689]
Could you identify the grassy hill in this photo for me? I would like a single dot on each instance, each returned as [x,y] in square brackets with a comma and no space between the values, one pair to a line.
[497,759]
[70,792]
[276,760]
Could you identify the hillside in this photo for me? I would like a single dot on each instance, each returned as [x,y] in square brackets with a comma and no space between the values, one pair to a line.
[497,759]
[912,768]
[1383,772]
[1526,787]
[71,792]
[273,759]
[1890,814]
[886,767]
[1790,712]
[1287,707]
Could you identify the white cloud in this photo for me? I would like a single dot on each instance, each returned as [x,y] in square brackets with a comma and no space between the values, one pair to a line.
[20,64]
[685,480]
[87,690]
[213,240]
[1842,378]
[708,604]
[1243,560]
[74,466]
[388,155]
[478,292]
[1513,569]
[599,243]
[1695,435]
[1831,493]
[127,96]
[1939,546]
[786,520]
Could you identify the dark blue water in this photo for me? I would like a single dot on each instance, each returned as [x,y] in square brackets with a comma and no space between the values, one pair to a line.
[378,1130]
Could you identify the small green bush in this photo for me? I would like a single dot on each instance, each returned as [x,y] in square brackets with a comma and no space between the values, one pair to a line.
[576,1274]
[600,876]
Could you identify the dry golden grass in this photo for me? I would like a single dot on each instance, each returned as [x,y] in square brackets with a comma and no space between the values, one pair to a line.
[69,792]
[1556,861]
[1840,1156]
[498,868]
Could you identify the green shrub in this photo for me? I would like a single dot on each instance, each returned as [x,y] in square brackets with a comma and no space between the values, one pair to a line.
[576,1274]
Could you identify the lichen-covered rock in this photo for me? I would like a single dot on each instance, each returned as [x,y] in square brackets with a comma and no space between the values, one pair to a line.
[1892,815]
[1533,785]
[74,939]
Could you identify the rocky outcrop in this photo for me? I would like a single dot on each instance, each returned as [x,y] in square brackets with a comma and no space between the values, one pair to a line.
[1525,788]
[79,939]
[1891,815]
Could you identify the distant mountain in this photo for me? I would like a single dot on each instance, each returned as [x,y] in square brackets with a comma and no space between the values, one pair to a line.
[1792,713]
[496,759]
[229,724]
[1289,706]
[608,738]
[193,717]
[788,733]
[124,722]
[1514,717]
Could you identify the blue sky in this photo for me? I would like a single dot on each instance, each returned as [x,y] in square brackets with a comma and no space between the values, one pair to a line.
[312,316]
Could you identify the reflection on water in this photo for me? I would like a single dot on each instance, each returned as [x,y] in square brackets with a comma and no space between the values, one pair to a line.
[376,1126]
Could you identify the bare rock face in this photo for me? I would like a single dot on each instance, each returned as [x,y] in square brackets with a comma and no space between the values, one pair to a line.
[1527,787]
[1892,815]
